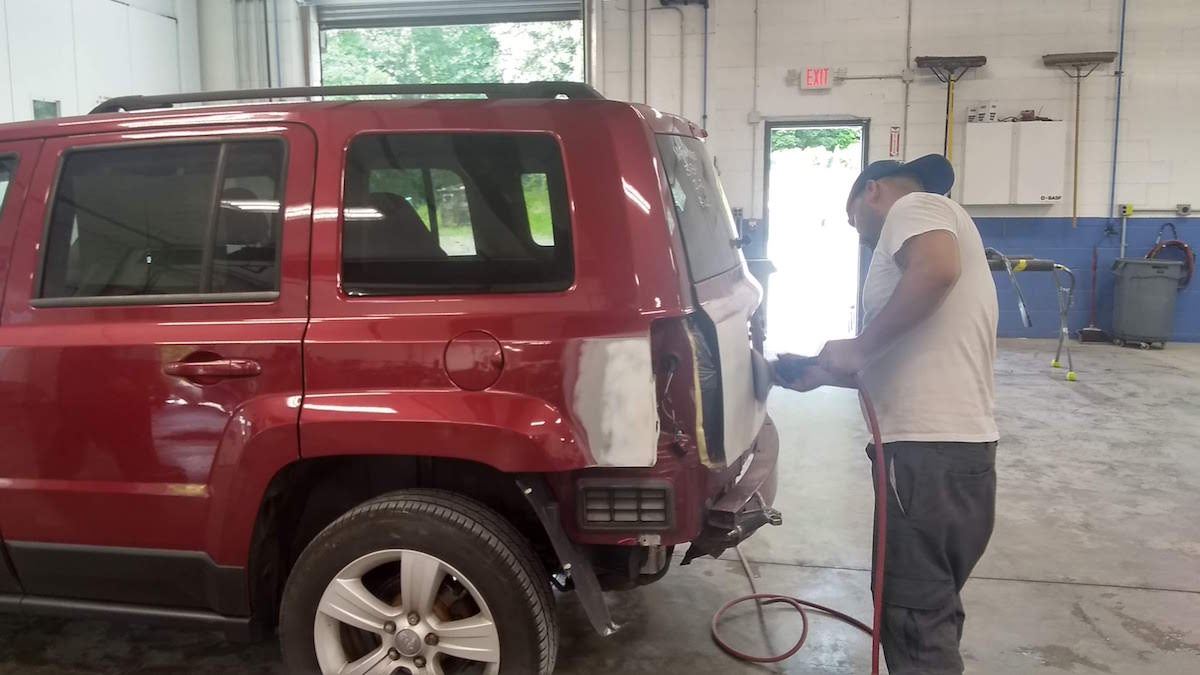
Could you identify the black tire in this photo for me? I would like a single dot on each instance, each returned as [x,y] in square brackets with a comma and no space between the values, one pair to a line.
[477,541]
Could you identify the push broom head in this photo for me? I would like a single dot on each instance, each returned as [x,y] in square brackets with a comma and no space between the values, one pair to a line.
[1078,59]
[950,62]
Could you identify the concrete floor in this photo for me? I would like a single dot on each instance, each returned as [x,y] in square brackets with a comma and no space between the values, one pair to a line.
[1094,565]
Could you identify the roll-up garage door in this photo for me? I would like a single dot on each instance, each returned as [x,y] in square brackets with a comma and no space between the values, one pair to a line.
[368,14]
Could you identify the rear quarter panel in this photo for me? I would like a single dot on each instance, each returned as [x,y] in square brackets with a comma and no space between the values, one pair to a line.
[576,388]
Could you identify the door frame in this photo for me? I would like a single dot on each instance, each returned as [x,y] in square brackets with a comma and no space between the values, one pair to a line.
[815,122]
[12,205]
[201,563]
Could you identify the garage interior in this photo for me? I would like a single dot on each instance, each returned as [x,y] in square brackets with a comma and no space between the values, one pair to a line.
[1094,565]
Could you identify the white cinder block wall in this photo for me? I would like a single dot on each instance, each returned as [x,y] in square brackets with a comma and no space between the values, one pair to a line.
[1160,138]
[79,52]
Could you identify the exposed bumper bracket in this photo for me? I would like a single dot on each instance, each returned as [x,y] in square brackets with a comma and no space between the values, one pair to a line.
[746,506]
[574,561]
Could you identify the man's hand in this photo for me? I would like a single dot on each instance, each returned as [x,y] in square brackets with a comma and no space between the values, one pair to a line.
[843,358]
[807,377]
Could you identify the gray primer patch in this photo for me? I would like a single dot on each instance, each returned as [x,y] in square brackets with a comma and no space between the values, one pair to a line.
[1064,658]
[614,400]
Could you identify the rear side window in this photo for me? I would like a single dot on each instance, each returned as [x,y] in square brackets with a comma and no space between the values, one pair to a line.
[436,213]
[8,166]
[182,219]
[700,206]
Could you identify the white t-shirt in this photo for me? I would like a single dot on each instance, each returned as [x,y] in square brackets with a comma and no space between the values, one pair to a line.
[936,383]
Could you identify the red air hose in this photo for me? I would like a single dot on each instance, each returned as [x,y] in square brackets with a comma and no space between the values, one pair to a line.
[1189,257]
[797,603]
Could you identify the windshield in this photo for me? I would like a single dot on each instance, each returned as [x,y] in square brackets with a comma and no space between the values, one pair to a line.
[700,206]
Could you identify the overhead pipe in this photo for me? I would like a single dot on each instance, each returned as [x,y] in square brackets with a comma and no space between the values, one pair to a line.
[907,84]
[704,75]
[754,124]
[278,51]
[629,33]
[267,41]
[1174,210]
[1112,185]
[646,52]
[853,78]
[306,45]
[592,15]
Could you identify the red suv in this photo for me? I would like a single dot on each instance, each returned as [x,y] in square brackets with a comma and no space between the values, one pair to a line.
[375,372]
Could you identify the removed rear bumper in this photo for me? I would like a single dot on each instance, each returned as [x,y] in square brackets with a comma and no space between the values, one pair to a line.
[747,504]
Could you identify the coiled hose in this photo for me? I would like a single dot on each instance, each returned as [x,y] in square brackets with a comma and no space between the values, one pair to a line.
[799,604]
[1189,256]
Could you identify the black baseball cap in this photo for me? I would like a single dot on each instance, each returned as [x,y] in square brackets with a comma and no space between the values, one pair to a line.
[933,172]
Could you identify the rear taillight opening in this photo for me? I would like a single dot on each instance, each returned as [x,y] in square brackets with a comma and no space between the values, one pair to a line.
[688,387]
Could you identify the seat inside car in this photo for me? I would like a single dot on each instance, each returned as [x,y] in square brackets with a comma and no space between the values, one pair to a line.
[388,229]
[244,257]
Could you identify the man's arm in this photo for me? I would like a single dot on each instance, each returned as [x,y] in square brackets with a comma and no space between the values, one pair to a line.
[931,268]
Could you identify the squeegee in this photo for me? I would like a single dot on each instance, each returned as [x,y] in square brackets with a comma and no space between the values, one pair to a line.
[949,70]
[1077,66]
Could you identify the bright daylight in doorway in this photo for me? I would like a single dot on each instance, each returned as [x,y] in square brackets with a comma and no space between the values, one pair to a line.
[813,297]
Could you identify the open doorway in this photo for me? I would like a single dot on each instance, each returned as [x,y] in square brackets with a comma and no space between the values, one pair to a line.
[463,52]
[813,294]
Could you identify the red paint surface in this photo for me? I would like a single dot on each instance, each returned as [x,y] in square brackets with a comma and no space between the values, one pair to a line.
[474,360]
[102,446]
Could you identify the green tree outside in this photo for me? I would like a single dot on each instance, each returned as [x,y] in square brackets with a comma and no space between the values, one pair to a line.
[512,52]
[410,55]
[829,138]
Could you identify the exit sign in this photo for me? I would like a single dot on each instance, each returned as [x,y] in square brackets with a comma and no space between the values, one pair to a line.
[815,78]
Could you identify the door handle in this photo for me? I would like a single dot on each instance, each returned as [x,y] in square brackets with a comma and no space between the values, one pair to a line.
[215,369]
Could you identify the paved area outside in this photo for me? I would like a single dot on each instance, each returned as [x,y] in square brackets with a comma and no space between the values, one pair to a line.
[1094,566]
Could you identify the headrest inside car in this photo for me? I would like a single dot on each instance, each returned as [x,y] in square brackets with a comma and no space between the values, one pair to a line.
[245,219]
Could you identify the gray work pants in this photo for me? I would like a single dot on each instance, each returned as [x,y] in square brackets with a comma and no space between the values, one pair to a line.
[940,511]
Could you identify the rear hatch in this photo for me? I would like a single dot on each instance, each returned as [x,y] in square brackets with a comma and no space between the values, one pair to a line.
[726,362]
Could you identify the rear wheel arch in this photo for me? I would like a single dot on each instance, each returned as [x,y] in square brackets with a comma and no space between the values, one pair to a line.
[306,496]
[475,581]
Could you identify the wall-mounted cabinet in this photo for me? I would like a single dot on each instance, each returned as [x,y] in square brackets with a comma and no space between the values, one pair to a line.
[1014,163]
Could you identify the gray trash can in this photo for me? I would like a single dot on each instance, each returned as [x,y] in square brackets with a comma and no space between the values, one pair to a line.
[1144,299]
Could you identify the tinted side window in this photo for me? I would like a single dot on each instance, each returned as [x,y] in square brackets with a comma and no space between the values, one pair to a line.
[455,212]
[8,166]
[193,218]
[247,238]
[700,206]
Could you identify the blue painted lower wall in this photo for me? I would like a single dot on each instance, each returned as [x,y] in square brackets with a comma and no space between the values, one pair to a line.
[1056,239]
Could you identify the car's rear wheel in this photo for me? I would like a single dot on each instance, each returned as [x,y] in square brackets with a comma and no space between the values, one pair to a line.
[423,582]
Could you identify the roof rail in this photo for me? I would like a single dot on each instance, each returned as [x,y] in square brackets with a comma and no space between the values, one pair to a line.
[572,90]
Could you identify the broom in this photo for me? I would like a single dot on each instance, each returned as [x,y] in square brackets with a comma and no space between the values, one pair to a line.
[1091,333]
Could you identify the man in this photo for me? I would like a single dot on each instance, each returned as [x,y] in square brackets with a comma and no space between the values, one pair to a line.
[925,355]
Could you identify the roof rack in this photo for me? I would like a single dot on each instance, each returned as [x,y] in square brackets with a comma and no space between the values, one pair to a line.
[571,90]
